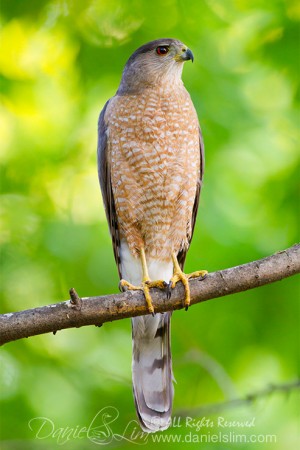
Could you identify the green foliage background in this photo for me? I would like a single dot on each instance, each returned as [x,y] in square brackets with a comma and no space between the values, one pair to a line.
[60,61]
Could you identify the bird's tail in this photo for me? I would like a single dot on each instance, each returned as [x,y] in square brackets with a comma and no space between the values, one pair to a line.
[152,371]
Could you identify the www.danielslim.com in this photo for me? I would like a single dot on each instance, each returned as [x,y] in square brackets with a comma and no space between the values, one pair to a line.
[231,437]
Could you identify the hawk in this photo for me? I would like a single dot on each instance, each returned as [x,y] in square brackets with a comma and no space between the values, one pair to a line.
[150,165]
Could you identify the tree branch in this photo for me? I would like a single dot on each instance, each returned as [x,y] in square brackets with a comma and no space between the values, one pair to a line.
[98,310]
[248,399]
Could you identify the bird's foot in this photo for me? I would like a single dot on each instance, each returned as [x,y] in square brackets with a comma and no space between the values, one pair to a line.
[179,275]
[146,285]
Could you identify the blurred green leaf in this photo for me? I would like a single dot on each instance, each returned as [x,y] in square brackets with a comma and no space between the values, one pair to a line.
[60,61]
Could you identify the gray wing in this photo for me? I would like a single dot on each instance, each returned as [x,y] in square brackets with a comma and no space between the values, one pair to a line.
[182,253]
[104,174]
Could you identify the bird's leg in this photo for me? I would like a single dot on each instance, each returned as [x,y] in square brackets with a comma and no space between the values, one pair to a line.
[146,285]
[179,275]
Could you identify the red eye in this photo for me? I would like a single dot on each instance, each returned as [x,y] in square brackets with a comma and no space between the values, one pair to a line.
[162,50]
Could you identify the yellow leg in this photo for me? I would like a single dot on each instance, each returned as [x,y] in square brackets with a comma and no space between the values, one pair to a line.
[179,275]
[146,285]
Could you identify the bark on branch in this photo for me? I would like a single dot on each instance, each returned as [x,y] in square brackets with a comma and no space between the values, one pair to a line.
[78,312]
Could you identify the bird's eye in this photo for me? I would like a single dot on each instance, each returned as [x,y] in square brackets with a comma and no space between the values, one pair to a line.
[162,50]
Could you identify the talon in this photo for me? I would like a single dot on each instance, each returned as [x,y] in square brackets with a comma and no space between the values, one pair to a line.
[197,274]
[122,288]
[125,285]
[169,290]
[179,275]
[145,287]
[158,284]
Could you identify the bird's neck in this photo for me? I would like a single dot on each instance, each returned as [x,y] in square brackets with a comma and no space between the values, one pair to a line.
[133,83]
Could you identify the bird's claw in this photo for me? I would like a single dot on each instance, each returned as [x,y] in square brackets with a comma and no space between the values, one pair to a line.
[179,275]
[169,290]
[122,287]
[146,285]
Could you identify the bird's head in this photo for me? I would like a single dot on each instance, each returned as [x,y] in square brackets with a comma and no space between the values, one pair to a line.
[155,63]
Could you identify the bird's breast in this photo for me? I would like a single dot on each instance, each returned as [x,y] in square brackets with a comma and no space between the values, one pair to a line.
[154,158]
[149,125]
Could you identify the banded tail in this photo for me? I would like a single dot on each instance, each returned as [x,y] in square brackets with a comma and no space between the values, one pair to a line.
[152,371]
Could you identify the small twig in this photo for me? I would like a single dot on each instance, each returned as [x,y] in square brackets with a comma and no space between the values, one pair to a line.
[75,301]
[234,403]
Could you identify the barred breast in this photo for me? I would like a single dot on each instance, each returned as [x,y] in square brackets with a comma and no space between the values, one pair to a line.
[155,162]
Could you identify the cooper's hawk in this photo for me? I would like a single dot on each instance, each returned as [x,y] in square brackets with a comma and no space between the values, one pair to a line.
[150,162]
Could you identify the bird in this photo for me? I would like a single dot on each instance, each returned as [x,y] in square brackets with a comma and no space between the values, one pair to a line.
[150,166]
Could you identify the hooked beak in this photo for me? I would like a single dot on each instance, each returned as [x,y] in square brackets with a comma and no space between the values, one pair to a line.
[188,54]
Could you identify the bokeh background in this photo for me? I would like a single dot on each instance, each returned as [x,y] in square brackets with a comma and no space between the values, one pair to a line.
[60,60]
